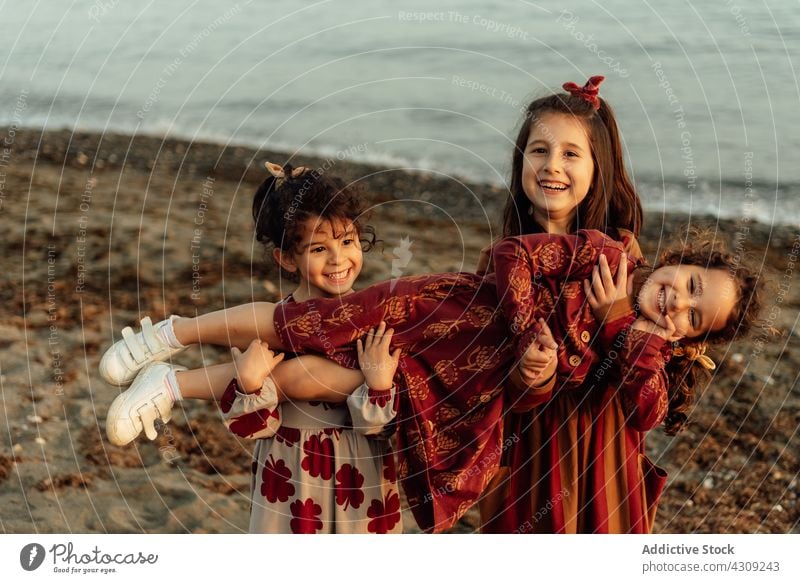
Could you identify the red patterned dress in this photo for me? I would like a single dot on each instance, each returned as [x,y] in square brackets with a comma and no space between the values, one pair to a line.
[578,463]
[460,334]
[319,468]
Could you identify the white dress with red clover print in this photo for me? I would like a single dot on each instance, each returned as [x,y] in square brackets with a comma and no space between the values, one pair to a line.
[319,467]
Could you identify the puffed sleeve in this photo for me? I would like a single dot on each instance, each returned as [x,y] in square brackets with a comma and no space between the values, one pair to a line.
[254,415]
[371,411]
[643,380]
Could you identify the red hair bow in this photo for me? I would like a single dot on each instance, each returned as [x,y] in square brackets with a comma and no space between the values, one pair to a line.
[588,92]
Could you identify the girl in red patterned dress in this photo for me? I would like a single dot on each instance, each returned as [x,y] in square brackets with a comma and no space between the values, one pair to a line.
[556,188]
[654,358]
[460,333]
[320,467]
[577,462]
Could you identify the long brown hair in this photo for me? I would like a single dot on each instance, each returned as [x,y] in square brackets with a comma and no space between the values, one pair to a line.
[612,202]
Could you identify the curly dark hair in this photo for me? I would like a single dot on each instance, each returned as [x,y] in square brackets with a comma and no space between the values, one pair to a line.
[612,202]
[281,206]
[686,378]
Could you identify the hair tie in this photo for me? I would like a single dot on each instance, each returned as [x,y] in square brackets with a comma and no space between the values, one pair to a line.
[588,92]
[277,171]
[695,353]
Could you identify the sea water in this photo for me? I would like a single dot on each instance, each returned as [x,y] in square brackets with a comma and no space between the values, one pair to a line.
[705,92]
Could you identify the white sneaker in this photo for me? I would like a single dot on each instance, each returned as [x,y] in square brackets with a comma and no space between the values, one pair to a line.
[146,400]
[123,361]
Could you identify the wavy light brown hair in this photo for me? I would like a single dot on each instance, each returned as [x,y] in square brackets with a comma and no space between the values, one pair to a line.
[686,377]
[612,202]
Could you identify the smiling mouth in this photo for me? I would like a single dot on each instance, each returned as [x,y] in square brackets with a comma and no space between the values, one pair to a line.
[661,300]
[339,276]
[553,187]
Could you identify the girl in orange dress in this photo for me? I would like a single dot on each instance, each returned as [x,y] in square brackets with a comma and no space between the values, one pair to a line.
[549,457]
[577,462]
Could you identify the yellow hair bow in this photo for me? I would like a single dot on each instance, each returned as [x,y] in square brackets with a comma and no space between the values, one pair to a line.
[695,353]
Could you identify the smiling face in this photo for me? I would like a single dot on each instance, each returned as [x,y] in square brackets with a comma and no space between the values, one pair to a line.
[557,169]
[698,300]
[328,258]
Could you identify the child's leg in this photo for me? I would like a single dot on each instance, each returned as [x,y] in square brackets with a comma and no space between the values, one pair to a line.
[237,326]
[314,378]
[207,383]
[152,395]
[305,378]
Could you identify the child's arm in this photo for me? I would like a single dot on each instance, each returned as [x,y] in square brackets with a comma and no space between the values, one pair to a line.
[609,301]
[532,380]
[643,382]
[257,416]
[254,365]
[374,404]
[250,403]
[251,415]
[528,384]
[485,261]
[520,261]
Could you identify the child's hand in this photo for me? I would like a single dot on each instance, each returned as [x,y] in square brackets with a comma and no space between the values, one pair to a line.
[667,333]
[603,291]
[539,362]
[374,359]
[254,365]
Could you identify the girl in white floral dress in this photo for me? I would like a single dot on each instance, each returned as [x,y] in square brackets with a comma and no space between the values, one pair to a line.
[318,467]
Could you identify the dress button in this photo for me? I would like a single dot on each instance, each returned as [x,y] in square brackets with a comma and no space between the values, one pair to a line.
[585,336]
[574,360]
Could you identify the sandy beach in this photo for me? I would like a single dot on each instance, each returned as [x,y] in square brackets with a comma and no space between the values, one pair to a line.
[101,230]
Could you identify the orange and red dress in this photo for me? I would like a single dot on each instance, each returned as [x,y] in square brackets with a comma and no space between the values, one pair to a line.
[577,463]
